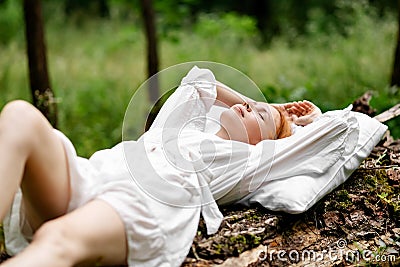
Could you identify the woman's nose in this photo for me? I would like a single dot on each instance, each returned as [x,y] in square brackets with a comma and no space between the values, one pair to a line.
[248,108]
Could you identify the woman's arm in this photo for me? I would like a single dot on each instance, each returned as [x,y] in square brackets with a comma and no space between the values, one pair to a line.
[227,97]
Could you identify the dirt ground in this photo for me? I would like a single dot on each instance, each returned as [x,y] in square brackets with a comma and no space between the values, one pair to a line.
[358,224]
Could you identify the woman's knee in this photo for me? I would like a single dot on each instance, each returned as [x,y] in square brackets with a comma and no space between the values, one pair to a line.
[20,112]
[19,121]
[17,106]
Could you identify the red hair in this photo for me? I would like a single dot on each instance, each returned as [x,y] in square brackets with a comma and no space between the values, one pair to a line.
[283,129]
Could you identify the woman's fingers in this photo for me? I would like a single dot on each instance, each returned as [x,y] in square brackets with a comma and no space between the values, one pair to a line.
[305,105]
[301,107]
[302,112]
[297,108]
[310,105]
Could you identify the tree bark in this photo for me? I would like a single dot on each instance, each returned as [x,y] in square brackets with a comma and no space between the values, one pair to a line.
[395,80]
[152,53]
[42,95]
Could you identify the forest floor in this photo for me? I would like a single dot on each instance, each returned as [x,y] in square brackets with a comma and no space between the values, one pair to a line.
[355,225]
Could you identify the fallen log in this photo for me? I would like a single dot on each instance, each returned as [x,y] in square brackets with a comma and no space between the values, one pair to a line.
[389,114]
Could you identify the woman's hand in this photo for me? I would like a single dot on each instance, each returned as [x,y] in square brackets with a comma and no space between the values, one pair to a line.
[302,112]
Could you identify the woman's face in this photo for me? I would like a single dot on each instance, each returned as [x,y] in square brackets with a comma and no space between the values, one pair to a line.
[250,122]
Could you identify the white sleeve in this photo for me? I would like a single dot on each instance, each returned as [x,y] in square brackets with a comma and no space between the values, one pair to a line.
[188,105]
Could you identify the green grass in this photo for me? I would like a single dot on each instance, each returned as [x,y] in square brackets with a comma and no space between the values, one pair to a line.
[95,68]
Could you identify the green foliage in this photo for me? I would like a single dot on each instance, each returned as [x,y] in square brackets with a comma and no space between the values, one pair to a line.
[94,77]
[11,21]
[331,59]
[333,66]
[227,27]
[227,38]
[172,16]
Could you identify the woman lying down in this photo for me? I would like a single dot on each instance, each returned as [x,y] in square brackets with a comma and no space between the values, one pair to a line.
[139,203]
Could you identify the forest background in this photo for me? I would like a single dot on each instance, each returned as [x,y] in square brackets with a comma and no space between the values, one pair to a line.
[329,52]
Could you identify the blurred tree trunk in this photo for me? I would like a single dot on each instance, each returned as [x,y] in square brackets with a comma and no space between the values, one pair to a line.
[152,53]
[42,95]
[396,65]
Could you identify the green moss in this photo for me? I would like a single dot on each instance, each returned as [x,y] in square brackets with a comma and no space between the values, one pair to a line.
[342,199]
[220,248]
[371,180]
[385,194]
[240,239]
[342,195]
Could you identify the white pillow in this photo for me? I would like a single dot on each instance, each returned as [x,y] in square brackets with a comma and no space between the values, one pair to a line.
[298,193]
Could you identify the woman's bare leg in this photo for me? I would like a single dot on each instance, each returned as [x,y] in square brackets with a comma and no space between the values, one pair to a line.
[92,235]
[32,157]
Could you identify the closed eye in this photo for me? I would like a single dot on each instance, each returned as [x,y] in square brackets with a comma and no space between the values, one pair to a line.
[261,115]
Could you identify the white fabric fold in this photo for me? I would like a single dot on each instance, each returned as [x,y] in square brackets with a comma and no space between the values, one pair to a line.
[180,120]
